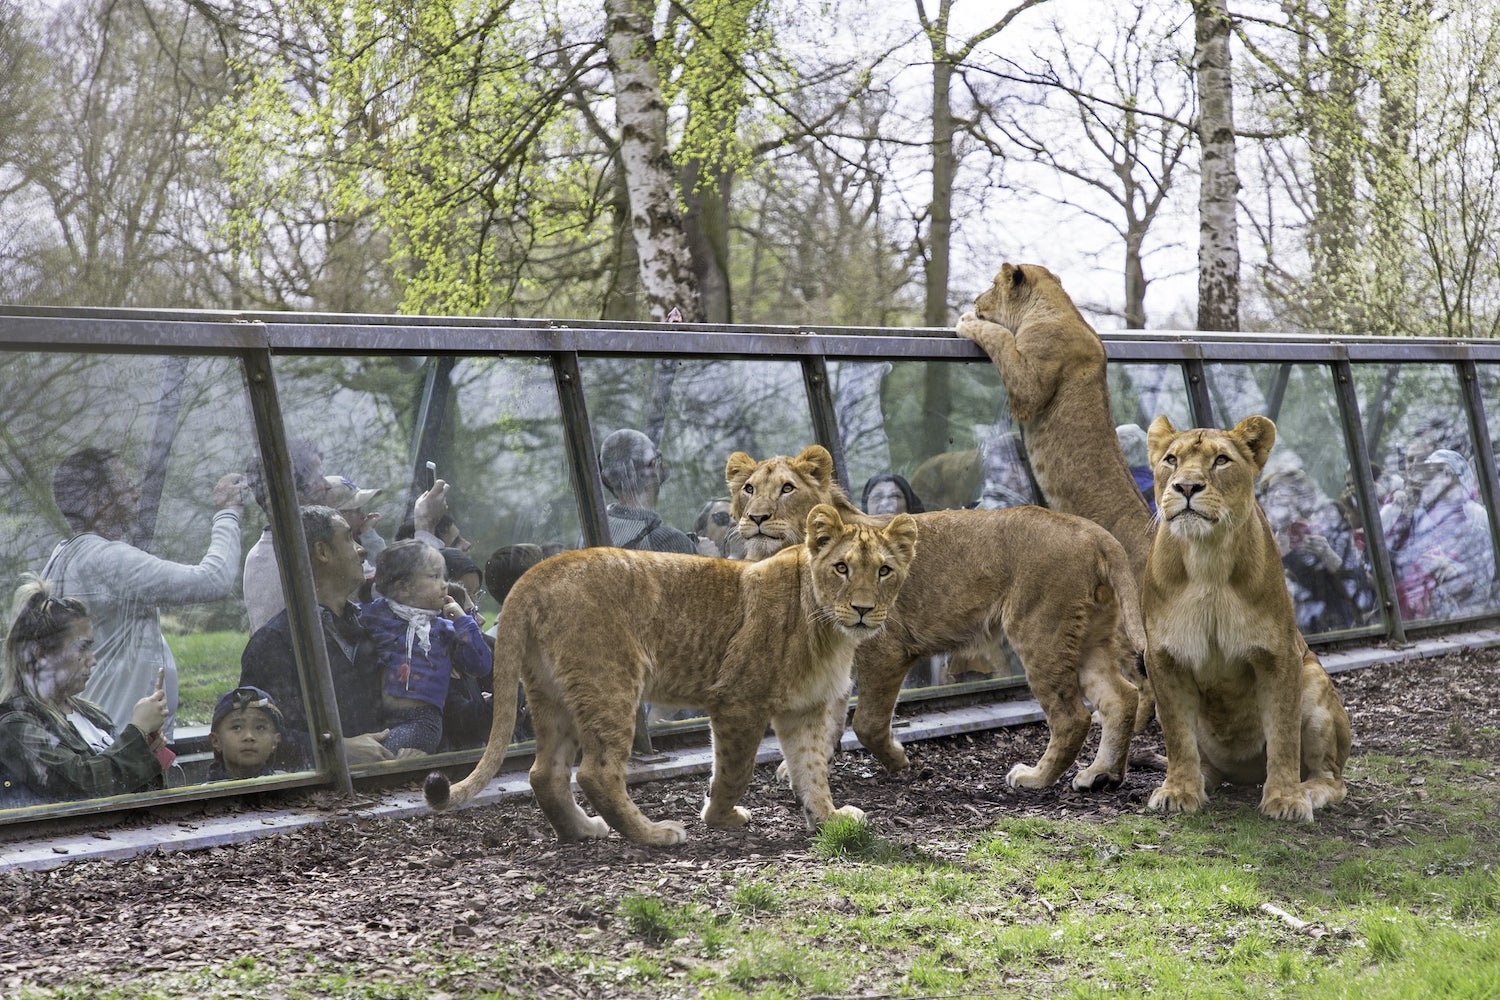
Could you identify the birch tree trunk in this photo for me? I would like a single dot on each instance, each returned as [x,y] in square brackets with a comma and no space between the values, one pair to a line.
[650,178]
[1218,236]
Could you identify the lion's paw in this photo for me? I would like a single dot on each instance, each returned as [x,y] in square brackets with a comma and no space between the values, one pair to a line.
[1096,780]
[847,812]
[667,833]
[1026,776]
[1176,799]
[784,773]
[594,828]
[1295,806]
[735,817]
[969,326]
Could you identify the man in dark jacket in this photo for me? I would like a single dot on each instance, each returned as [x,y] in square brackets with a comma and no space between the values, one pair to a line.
[269,663]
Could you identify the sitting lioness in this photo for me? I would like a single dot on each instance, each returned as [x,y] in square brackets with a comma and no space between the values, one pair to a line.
[1054,584]
[591,632]
[1240,697]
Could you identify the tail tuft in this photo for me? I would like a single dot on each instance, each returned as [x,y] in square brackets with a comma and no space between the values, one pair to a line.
[435,791]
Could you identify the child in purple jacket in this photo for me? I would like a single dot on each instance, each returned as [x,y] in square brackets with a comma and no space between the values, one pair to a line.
[421,636]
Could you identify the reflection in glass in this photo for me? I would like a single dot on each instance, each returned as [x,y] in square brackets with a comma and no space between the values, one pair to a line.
[692,413]
[1138,394]
[1305,489]
[495,435]
[124,490]
[1432,510]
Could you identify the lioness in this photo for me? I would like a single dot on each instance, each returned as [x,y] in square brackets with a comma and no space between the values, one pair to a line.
[1052,365]
[1054,584]
[590,632]
[1240,697]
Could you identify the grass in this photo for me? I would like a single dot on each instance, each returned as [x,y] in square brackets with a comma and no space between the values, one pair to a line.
[1399,895]
[208,664]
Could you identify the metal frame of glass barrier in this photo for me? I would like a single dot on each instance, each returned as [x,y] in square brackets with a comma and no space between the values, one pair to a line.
[255,339]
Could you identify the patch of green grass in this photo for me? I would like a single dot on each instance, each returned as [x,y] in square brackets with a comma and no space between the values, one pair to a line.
[649,918]
[843,837]
[758,897]
[208,664]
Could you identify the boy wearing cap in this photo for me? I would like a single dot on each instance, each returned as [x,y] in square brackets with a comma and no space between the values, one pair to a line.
[245,733]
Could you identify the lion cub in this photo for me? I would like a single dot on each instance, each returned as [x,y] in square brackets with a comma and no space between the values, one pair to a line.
[1240,697]
[593,631]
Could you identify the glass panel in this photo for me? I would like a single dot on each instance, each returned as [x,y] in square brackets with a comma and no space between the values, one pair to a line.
[1305,489]
[122,479]
[1432,510]
[940,430]
[940,433]
[496,437]
[1138,394]
[699,412]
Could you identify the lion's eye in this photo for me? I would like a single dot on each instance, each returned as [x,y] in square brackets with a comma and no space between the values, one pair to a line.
[787,488]
[1220,460]
[885,571]
[748,488]
[842,569]
[1170,461]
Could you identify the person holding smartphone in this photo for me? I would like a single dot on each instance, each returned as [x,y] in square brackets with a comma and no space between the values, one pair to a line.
[54,745]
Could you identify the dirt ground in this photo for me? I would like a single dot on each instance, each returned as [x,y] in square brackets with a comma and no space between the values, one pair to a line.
[374,892]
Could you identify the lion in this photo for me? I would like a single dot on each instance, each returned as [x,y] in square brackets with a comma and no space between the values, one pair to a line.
[1053,584]
[1052,365]
[591,632]
[1240,697]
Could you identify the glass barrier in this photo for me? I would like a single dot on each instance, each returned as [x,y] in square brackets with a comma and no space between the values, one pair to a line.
[1306,490]
[124,489]
[1431,507]
[1138,394]
[114,483]
[492,429]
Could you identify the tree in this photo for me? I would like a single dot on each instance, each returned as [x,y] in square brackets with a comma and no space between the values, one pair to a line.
[1219,184]
[656,222]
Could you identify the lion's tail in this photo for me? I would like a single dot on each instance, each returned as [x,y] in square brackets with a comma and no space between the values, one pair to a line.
[512,642]
[1115,570]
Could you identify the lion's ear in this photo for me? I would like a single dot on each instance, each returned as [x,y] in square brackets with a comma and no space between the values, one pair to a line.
[1011,274]
[1258,435]
[901,533]
[816,463]
[1158,436]
[738,469]
[824,526]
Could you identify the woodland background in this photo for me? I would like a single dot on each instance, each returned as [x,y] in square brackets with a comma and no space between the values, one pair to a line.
[1253,165]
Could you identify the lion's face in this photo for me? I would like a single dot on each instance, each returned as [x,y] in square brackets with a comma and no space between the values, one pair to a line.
[770,499]
[1205,478]
[857,571]
[1009,296]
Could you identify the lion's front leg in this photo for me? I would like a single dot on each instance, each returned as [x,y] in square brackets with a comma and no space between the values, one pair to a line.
[1027,389]
[803,736]
[880,667]
[735,739]
[1177,707]
[1278,694]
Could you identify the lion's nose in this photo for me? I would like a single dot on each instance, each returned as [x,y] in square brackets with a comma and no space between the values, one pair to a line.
[1188,490]
[759,519]
[862,612]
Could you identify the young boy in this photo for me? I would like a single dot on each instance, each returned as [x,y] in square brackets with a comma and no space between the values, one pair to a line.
[245,732]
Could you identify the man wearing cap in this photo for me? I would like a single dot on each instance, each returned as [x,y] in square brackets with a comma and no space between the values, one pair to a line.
[245,732]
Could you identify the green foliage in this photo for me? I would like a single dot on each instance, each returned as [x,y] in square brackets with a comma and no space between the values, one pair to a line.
[649,918]
[208,664]
[843,837]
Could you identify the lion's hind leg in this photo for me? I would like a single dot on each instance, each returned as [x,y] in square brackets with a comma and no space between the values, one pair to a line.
[601,774]
[552,771]
[1115,699]
[1325,739]
[1048,661]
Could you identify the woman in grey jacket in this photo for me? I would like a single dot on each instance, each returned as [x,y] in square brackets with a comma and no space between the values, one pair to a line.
[124,586]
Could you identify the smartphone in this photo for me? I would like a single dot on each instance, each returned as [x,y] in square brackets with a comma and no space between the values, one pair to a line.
[431,474]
